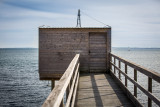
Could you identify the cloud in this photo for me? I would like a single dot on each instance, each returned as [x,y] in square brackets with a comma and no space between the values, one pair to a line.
[22,12]
[17,18]
[130,20]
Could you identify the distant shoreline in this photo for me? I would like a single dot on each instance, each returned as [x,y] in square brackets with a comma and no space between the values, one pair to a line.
[112,48]
[137,47]
[18,48]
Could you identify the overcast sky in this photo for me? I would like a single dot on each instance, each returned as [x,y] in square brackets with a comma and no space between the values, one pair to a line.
[135,23]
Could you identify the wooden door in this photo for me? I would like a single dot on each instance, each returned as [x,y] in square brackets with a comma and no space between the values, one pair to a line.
[97,52]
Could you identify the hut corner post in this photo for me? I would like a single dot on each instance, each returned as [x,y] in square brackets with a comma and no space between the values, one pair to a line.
[108,50]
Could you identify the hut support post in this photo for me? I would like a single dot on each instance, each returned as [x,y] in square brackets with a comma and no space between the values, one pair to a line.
[52,84]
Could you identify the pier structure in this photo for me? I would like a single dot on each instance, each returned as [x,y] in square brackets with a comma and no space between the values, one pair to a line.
[88,73]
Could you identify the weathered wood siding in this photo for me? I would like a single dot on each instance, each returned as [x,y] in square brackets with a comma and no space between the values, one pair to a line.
[58,46]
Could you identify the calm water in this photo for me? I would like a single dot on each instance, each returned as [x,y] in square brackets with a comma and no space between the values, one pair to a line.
[20,84]
[19,79]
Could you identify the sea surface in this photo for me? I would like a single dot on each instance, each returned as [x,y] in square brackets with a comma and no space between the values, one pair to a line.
[20,84]
[19,79]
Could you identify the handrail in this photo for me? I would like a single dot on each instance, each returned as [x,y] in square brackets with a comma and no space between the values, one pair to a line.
[151,75]
[67,84]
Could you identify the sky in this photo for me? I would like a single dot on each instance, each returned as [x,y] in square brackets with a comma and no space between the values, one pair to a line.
[135,23]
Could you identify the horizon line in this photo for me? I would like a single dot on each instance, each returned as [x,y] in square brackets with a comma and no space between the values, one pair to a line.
[37,47]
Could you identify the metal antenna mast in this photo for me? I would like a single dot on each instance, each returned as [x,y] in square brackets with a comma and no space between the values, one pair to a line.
[78,19]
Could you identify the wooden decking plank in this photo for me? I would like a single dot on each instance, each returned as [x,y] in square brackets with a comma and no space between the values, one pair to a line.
[100,90]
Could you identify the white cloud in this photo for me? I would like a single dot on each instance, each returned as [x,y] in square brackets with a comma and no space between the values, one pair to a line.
[17,12]
[129,20]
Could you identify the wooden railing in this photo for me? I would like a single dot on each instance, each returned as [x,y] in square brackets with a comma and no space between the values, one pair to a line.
[67,86]
[150,74]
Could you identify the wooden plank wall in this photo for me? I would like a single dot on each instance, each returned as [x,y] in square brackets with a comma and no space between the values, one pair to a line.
[58,46]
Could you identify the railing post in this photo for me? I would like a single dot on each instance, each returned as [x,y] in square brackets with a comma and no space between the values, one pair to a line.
[114,66]
[119,68]
[150,90]
[110,62]
[126,74]
[135,78]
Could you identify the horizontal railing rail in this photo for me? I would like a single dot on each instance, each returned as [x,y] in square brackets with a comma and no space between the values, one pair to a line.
[150,74]
[67,86]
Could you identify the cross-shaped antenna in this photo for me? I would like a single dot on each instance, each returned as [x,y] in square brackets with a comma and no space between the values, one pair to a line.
[78,19]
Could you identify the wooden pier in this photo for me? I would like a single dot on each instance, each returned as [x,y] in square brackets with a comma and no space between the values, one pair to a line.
[99,89]
[88,74]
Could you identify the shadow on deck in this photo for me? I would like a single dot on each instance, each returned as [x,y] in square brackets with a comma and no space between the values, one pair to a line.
[99,90]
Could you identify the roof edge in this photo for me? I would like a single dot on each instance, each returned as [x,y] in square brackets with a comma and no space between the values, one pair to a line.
[75,27]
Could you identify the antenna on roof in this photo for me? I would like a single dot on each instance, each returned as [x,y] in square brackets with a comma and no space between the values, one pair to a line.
[78,19]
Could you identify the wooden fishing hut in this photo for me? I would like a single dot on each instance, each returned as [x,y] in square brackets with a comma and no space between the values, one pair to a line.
[58,46]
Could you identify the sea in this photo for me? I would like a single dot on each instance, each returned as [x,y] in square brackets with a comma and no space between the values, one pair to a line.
[19,79]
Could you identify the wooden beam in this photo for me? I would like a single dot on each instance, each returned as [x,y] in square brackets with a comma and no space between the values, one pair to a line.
[108,48]
[126,74]
[119,65]
[114,63]
[135,78]
[110,63]
[150,90]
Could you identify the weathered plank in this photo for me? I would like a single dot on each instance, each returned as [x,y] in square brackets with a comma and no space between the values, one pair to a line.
[97,50]
[97,90]
[98,64]
[98,59]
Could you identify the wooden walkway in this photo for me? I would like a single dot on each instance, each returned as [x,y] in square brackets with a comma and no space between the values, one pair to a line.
[100,90]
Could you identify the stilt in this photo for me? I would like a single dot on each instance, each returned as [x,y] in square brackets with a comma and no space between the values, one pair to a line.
[52,84]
